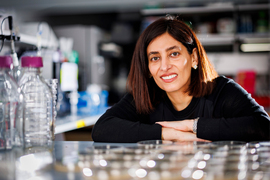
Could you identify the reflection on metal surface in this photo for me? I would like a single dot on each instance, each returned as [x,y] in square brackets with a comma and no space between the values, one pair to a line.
[33,166]
[187,160]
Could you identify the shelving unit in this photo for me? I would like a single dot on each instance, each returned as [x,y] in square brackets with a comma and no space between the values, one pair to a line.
[189,10]
[225,7]
[69,123]
[254,37]
[211,39]
[216,39]
[231,63]
[248,7]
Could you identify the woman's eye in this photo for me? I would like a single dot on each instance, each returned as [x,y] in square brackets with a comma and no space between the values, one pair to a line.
[154,58]
[175,54]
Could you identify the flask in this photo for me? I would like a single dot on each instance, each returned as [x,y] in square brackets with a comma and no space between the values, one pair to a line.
[11,107]
[38,103]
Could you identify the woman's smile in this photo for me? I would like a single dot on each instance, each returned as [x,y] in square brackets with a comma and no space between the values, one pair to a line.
[169,78]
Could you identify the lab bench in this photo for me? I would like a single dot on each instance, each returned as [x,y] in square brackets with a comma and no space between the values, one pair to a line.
[156,159]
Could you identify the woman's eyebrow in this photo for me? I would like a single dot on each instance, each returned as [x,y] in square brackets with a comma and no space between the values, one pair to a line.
[153,52]
[173,47]
[168,49]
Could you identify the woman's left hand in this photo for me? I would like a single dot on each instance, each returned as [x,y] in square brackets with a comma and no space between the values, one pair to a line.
[185,125]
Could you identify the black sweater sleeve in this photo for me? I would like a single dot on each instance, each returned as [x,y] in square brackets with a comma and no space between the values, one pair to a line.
[236,116]
[122,124]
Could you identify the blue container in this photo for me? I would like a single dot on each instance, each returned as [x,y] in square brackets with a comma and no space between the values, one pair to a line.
[92,104]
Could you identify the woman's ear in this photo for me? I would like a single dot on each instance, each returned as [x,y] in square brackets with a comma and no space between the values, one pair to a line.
[194,58]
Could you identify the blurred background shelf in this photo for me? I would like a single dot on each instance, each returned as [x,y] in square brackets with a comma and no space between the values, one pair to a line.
[189,10]
[209,8]
[248,7]
[216,39]
[254,37]
[69,123]
[71,128]
[230,64]
[229,39]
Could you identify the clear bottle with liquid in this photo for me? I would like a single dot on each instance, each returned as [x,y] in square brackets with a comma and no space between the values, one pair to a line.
[11,108]
[38,103]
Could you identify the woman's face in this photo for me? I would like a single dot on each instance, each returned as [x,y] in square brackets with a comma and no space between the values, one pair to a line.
[170,63]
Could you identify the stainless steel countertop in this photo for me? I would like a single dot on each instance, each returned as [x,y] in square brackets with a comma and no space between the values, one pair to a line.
[75,160]
[57,162]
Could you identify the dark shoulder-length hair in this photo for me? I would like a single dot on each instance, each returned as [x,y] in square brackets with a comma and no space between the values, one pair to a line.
[145,92]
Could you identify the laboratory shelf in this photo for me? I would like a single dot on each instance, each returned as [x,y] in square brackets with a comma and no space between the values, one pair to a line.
[230,39]
[253,37]
[189,10]
[211,8]
[249,7]
[69,123]
[216,39]
[234,12]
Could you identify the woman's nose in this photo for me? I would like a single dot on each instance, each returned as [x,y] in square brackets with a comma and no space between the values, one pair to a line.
[165,64]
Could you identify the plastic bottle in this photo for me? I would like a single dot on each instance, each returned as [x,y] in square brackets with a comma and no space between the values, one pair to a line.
[11,108]
[38,102]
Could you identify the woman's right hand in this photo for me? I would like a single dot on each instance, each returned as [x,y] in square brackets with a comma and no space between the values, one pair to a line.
[176,135]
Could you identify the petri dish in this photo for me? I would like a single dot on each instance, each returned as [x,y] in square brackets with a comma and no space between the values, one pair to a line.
[104,149]
[155,143]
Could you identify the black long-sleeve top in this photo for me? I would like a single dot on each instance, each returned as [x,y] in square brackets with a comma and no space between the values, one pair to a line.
[229,113]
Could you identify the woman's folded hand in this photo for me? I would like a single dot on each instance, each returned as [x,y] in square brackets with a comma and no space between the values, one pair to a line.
[178,135]
[185,125]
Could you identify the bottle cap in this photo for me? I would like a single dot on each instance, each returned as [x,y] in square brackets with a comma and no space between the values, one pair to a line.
[5,61]
[31,61]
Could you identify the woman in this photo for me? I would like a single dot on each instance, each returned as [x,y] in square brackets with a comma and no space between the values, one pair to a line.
[175,94]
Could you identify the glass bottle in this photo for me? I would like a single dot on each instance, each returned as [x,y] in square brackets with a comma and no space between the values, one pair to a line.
[38,103]
[11,107]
